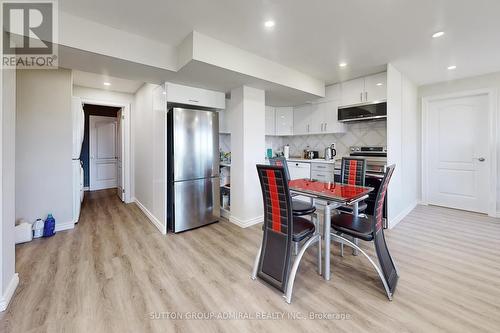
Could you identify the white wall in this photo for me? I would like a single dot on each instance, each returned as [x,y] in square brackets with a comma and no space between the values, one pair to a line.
[148,134]
[8,277]
[403,145]
[102,95]
[489,81]
[246,110]
[44,145]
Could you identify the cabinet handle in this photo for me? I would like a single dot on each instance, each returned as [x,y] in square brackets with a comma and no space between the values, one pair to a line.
[366,96]
[193,100]
[361,96]
[325,127]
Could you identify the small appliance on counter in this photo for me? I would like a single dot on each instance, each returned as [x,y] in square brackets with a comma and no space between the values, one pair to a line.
[330,152]
[310,154]
[286,151]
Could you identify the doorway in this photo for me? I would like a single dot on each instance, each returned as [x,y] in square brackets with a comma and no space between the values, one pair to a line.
[459,155]
[104,152]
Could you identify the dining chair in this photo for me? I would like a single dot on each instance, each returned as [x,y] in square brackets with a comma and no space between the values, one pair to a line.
[353,172]
[369,228]
[281,230]
[299,207]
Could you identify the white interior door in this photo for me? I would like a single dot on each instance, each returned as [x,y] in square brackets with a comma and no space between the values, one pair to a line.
[103,152]
[458,165]
[119,154]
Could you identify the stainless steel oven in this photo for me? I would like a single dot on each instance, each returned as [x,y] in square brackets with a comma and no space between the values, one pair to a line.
[376,163]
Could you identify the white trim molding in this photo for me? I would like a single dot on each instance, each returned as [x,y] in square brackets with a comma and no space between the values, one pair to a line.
[246,223]
[493,130]
[64,226]
[162,228]
[393,222]
[9,292]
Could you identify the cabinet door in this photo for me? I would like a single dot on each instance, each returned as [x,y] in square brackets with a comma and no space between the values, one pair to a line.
[375,87]
[300,170]
[329,112]
[177,93]
[302,120]
[317,119]
[270,120]
[353,91]
[284,121]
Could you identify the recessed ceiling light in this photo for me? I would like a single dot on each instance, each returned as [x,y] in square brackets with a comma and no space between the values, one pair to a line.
[269,24]
[107,83]
[452,67]
[342,64]
[380,84]
[438,34]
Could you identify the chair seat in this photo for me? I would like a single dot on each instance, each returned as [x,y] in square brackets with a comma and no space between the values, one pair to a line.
[302,228]
[348,209]
[301,208]
[359,227]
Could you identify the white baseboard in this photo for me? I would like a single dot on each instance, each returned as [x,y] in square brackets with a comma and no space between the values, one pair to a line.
[150,216]
[393,222]
[9,292]
[64,226]
[246,223]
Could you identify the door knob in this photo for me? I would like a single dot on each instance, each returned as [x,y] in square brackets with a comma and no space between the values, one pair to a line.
[481,159]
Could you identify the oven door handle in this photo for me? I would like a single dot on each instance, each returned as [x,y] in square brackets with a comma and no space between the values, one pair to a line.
[375,175]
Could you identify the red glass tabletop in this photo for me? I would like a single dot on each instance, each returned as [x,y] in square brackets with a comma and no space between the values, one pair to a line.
[339,192]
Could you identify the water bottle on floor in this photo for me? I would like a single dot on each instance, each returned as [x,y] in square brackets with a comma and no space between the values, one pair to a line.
[49,226]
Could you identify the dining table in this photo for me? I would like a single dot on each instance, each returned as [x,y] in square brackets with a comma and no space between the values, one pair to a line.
[333,194]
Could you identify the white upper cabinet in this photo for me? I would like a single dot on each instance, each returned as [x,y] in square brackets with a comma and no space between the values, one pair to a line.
[270,120]
[195,96]
[376,87]
[317,118]
[302,119]
[366,89]
[329,120]
[284,121]
[353,91]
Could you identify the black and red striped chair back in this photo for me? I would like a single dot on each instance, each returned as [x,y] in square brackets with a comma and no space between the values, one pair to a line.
[386,262]
[281,161]
[379,201]
[353,171]
[274,264]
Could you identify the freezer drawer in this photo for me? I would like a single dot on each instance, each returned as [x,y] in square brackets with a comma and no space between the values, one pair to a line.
[196,203]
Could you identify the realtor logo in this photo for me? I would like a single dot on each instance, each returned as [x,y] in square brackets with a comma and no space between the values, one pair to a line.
[30,41]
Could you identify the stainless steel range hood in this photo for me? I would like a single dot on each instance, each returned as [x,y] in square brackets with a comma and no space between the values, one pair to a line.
[364,111]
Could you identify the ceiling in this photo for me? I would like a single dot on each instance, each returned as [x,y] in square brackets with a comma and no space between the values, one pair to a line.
[126,76]
[91,80]
[314,36]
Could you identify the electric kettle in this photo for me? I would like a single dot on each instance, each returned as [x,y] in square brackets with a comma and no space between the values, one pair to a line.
[330,152]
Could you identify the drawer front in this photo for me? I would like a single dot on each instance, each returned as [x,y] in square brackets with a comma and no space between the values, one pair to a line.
[323,167]
[322,176]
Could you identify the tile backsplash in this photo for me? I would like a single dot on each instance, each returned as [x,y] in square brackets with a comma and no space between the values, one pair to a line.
[366,133]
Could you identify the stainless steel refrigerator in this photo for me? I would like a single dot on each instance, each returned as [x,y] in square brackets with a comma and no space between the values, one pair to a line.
[192,168]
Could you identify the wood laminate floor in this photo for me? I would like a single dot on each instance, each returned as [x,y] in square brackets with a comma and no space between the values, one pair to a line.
[116,273]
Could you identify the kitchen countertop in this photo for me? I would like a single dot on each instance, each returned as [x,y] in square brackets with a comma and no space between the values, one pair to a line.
[315,160]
